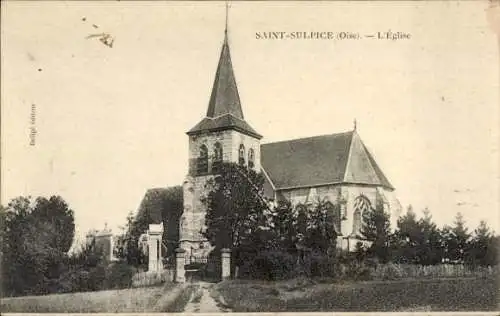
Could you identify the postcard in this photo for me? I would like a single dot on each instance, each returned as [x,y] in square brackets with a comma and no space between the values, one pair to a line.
[250,156]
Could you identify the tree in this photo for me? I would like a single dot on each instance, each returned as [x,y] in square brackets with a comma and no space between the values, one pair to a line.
[283,225]
[34,249]
[429,249]
[158,204]
[55,211]
[237,214]
[376,228]
[482,247]
[418,241]
[493,251]
[15,222]
[172,208]
[406,238]
[124,241]
[457,241]
[321,235]
[446,242]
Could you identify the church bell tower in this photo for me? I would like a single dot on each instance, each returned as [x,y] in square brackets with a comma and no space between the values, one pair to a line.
[222,135]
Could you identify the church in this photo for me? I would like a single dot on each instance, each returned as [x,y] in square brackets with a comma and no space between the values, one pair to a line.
[336,167]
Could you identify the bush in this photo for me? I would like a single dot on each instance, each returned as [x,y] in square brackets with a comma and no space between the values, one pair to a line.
[97,278]
[74,281]
[119,276]
[151,278]
[269,265]
[341,267]
[101,277]
[352,270]
[321,265]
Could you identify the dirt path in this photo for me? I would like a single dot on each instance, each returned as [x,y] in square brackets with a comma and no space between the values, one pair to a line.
[202,300]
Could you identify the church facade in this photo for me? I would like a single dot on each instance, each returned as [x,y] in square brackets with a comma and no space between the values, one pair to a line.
[337,168]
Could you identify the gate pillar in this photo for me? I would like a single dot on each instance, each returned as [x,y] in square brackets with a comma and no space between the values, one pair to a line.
[226,263]
[155,233]
[180,258]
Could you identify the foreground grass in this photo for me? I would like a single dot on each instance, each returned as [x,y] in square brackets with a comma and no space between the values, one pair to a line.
[113,301]
[464,294]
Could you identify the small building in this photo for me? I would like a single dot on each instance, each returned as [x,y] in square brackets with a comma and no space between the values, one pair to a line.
[103,241]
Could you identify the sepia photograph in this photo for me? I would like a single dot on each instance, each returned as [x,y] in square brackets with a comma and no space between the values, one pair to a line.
[250,156]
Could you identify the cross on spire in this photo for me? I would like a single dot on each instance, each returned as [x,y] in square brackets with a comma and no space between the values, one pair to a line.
[227,14]
[355,124]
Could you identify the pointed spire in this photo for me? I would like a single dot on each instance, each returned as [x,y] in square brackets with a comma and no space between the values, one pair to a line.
[227,15]
[355,125]
[224,108]
[225,98]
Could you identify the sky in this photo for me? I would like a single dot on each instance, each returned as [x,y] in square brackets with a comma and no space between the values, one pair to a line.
[111,121]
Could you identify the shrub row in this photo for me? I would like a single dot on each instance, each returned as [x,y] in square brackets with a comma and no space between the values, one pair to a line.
[275,265]
[100,277]
[400,271]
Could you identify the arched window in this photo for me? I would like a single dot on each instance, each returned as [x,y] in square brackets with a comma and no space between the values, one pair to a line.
[241,155]
[361,205]
[251,158]
[217,162]
[203,160]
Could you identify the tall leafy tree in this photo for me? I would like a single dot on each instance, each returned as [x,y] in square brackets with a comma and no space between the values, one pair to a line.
[376,228]
[56,212]
[237,215]
[124,241]
[321,234]
[33,248]
[284,226]
[16,223]
[172,208]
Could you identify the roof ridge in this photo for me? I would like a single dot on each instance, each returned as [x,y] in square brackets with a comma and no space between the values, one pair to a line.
[308,137]
[155,189]
[376,168]
[349,153]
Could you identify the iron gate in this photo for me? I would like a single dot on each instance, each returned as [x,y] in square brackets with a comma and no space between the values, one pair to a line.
[206,267]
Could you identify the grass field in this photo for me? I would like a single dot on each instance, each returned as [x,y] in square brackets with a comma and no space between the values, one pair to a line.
[152,299]
[458,294]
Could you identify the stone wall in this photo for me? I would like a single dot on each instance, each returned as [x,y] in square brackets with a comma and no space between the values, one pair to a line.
[230,141]
[193,218]
[248,142]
